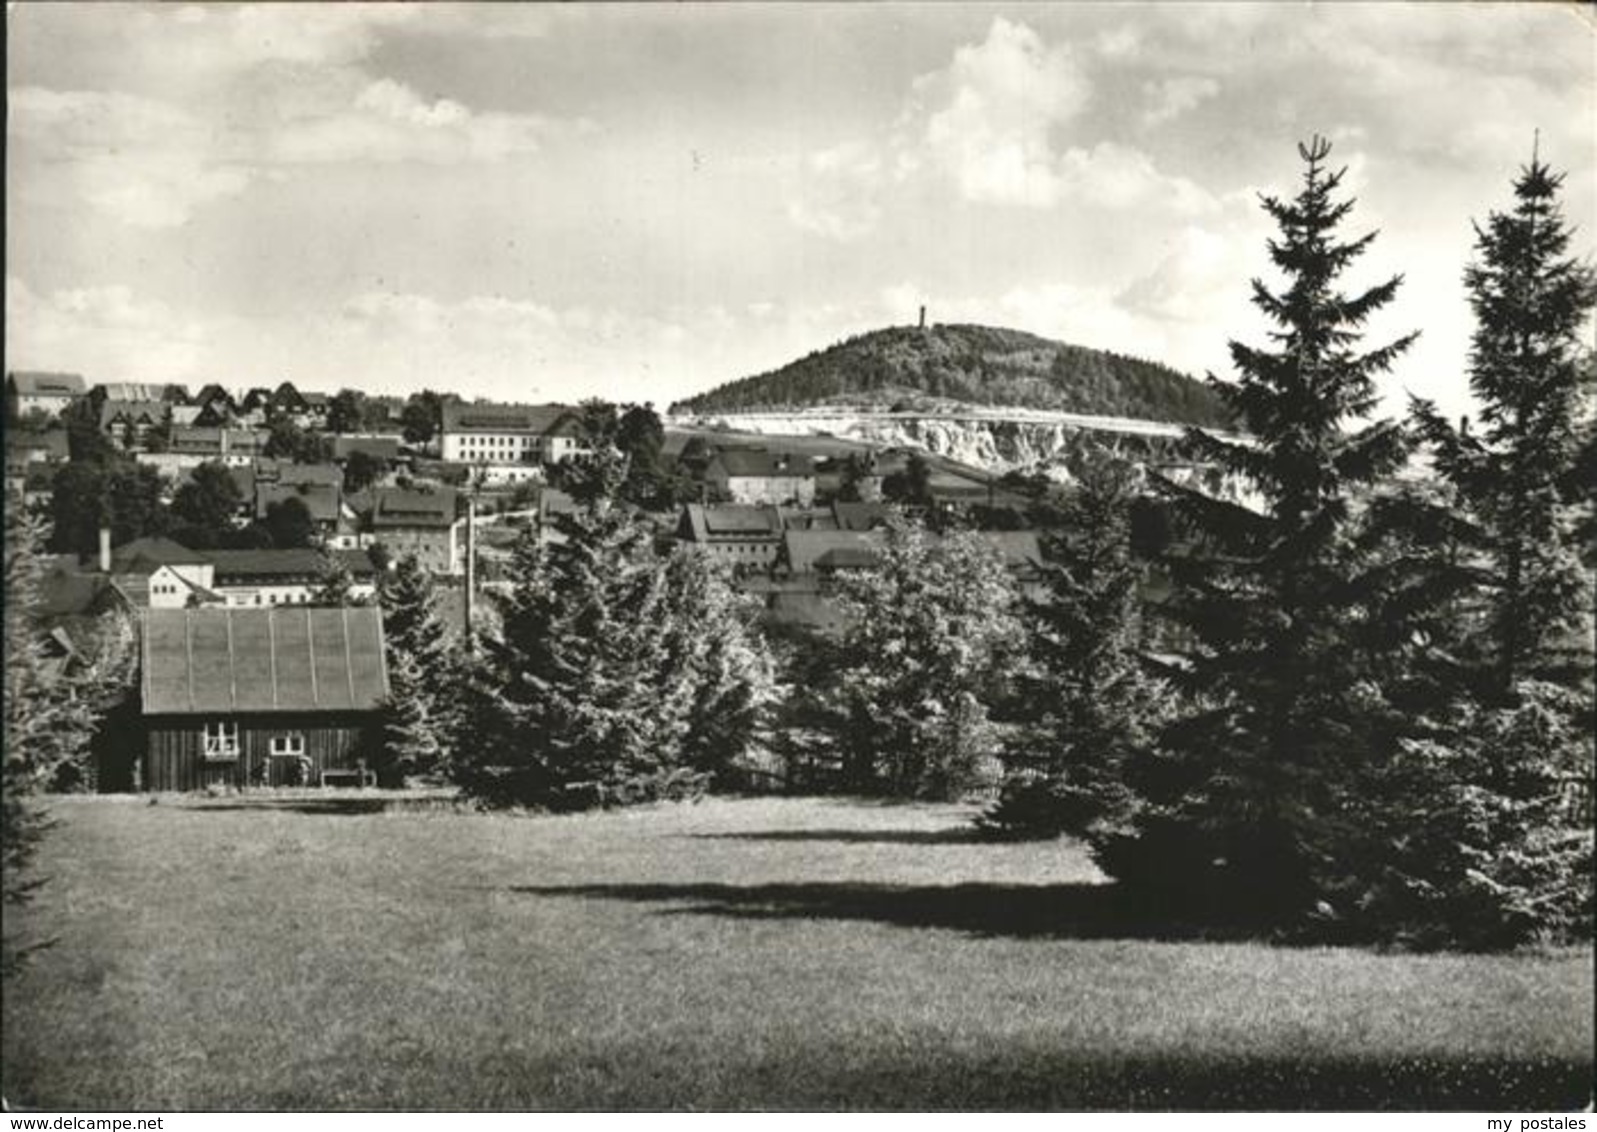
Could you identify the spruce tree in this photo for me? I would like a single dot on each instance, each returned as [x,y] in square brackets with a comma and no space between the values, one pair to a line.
[412,735]
[1239,811]
[335,585]
[409,600]
[1493,845]
[1085,705]
[420,720]
[1514,473]
[49,720]
[587,709]
[718,647]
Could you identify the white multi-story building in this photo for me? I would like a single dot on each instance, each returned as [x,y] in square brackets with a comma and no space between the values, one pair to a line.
[508,434]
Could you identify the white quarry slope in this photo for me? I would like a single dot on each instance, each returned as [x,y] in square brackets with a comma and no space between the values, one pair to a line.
[997,440]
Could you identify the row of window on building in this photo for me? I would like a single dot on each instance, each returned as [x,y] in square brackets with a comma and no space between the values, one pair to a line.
[221,742]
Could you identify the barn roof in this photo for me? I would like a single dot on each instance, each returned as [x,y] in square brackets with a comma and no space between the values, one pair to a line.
[218,661]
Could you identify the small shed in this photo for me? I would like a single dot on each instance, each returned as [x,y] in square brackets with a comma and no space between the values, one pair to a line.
[271,697]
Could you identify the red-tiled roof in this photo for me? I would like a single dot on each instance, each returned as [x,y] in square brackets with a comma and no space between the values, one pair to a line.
[219,661]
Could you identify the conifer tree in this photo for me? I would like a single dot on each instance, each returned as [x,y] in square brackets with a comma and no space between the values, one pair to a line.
[412,735]
[1486,845]
[49,720]
[592,694]
[335,587]
[1532,303]
[412,624]
[1085,705]
[1239,810]
[420,719]
[717,645]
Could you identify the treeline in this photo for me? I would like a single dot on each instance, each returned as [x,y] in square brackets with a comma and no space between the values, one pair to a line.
[976,364]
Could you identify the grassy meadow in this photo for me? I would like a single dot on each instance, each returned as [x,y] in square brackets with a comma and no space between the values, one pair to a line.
[337,953]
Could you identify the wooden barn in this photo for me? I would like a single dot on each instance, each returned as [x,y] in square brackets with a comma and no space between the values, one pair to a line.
[259,697]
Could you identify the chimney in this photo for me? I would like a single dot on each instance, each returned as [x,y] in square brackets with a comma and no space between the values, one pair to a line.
[105,549]
[923,316]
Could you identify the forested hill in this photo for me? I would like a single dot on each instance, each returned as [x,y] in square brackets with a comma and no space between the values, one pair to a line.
[911,368]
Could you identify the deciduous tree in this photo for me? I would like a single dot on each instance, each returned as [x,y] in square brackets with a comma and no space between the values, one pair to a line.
[932,638]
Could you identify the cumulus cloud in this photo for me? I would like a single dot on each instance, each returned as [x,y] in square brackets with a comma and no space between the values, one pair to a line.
[1195,281]
[991,125]
[986,120]
[283,87]
[109,330]
[1110,176]
[1168,99]
[387,121]
[140,160]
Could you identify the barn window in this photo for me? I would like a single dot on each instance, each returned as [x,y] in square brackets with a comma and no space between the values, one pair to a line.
[292,743]
[221,740]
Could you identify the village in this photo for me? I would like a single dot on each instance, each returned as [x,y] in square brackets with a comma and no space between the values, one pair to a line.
[347,506]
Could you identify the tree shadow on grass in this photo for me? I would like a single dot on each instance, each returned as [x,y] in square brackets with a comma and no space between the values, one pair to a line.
[336,806]
[955,836]
[1070,911]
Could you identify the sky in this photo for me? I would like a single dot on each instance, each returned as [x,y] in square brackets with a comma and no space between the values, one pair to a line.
[640,202]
